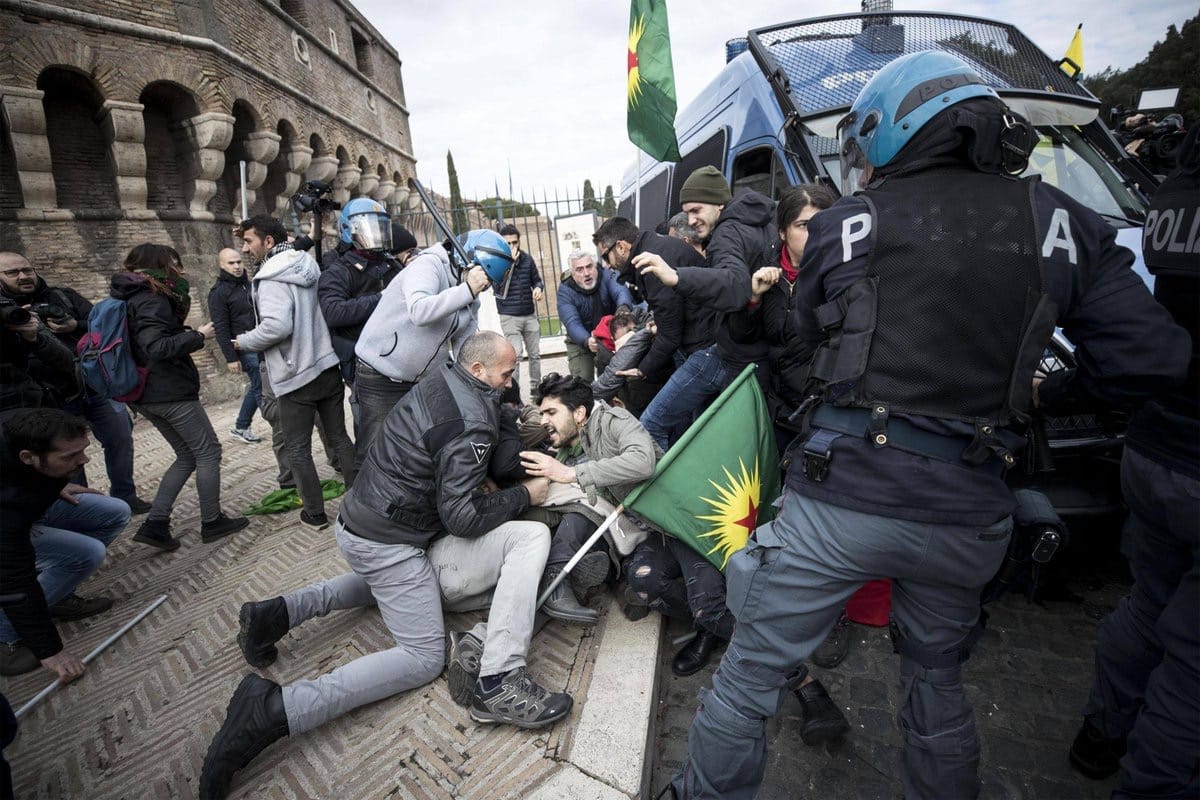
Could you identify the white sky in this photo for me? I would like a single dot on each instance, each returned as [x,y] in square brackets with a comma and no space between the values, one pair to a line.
[538,86]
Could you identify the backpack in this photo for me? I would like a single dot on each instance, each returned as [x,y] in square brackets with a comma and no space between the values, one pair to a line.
[105,354]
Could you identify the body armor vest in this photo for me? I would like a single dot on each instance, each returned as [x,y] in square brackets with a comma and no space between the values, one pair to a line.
[952,316]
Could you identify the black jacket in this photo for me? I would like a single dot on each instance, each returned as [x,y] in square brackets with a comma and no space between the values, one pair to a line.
[741,242]
[682,324]
[71,300]
[25,496]
[518,302]
[231,310]
[348,291]
[37,374]
[161,343]
[424,471]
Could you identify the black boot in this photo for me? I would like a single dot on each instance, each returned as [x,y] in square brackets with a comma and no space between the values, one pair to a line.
[254,720]
[562,603]
[260,626]
[221,526]
[1095,756]
[823,720]
[157,533]
[694,655]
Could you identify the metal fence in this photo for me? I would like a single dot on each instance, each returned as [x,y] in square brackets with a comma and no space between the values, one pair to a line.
[551,224]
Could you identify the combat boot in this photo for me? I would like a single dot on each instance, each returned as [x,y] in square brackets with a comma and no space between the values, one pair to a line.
[562,603]
[260,626]
[254,720]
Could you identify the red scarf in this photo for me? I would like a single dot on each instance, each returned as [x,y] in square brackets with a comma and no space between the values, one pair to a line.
[785,263]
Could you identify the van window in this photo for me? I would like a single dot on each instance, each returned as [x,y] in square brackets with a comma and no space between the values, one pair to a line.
[625,207]
[709,153]
[654,200]
[759,169]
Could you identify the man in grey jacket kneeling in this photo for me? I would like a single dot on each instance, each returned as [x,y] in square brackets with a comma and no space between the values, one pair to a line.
[416,529]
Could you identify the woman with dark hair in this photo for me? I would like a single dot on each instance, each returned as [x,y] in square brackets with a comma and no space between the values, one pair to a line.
[156,297]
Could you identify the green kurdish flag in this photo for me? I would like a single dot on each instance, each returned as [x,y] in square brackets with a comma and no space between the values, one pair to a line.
[718,482]
[650,86]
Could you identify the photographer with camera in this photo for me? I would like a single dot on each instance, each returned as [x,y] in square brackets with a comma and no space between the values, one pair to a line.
[64,313]
[36,370]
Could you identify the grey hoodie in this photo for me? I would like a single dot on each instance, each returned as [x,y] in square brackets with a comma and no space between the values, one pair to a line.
[291,332]
[423,313]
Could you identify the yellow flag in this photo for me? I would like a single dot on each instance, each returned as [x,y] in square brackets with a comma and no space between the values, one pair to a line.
[1072,60]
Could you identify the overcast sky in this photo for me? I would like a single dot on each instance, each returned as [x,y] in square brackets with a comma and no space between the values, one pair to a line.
[538,86]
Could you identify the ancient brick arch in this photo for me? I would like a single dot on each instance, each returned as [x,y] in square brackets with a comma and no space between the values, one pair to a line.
[187,75]
[74,107]
[30,56]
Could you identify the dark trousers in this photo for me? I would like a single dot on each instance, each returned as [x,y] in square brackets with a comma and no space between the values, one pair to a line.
[322,398]
[572,531]
[115,434]
[1147,685]
[679,582]
[252,399]
[377,394]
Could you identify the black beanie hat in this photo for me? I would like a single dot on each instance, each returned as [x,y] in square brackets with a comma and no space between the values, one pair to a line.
[705,185]
[402,239]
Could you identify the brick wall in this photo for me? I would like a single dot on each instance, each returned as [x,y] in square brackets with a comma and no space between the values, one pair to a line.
[10,188]
[82,173]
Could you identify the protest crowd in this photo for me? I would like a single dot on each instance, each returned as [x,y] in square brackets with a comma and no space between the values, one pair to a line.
[871,360]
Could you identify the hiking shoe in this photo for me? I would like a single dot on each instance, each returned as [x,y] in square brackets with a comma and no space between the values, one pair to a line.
[253,721]
[520,701]
[75,607]
[317,521]
[823,720]
[1094,755]
[830,652]
[562,603]
[221,527]
[463,652]
[136,504]
[260,626]
[17,659]
[157,533]
[246,435]
[590,572]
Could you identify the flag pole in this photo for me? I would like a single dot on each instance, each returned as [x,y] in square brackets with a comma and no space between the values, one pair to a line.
[583,551]
[637,191]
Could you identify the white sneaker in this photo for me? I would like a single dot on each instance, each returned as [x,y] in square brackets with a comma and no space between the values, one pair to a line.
[246,435]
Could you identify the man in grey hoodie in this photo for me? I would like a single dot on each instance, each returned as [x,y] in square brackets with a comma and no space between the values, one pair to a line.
[301,362]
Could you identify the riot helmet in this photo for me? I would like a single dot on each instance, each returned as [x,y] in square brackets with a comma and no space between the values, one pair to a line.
[365,225]
[489,250]
[896,103]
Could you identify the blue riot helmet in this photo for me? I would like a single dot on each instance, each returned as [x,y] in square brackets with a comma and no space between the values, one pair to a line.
[898,101]
[489,250]
[365,225]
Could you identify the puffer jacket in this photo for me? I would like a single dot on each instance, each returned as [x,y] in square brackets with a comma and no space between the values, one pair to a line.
[161,342]
[291,333]
[231,309]
[424,471]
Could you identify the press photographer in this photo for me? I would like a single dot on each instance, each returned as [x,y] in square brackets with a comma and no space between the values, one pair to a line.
[64,312]
[36,370]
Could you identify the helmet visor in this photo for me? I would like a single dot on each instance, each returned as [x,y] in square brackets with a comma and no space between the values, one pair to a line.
[493,262]
[855,167]
[371,232]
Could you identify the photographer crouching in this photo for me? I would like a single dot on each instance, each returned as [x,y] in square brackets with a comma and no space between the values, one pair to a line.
[64,312]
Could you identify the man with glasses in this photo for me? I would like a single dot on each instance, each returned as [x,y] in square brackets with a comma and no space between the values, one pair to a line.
[685,328]
[589,294]
[64,312]
[518,306]
[232,313]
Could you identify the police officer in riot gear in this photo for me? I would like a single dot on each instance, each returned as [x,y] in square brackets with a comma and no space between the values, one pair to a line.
[1145,701]
[926,300]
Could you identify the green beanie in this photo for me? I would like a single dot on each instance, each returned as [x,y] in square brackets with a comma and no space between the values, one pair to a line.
[705,185]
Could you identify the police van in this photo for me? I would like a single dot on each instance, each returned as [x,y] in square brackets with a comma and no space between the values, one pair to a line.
[768,121]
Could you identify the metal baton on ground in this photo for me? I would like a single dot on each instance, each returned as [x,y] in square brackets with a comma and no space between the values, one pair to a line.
[608,521]
[40,696]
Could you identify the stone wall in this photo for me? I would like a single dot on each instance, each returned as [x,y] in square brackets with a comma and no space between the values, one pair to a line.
[123,121]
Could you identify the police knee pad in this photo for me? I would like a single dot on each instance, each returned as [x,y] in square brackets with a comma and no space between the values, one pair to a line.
[903,645]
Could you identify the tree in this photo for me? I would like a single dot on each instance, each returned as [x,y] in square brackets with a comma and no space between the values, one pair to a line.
[1174,61]
[457,212]
[589,197]
[609,207]
[503,207]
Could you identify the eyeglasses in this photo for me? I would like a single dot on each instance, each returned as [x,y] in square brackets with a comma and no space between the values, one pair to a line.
[604,255]
[12,273]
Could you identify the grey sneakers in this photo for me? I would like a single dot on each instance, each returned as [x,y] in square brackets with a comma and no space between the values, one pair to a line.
[463,652]
[520,701]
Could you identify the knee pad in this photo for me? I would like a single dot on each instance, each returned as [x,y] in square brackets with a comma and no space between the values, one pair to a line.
[903,645]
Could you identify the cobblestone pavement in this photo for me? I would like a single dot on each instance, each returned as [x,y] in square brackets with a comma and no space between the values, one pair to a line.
[1027,681]
[138,724]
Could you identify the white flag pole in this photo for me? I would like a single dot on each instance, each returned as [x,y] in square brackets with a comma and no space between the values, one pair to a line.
[583,551]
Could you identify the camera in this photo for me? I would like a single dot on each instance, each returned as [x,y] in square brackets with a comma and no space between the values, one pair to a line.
[51,312]
[12,314]
[313,197]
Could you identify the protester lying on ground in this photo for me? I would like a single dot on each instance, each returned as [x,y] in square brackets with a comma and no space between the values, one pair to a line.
[418,533]
[53,535]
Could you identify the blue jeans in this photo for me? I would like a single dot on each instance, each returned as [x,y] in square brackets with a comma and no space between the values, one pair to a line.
[701,378]
[110,422]
[69,544]
[253,397]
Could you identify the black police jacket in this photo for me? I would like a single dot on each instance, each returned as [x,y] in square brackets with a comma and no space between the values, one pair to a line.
[348,291]
[1128,349]
[424,472]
